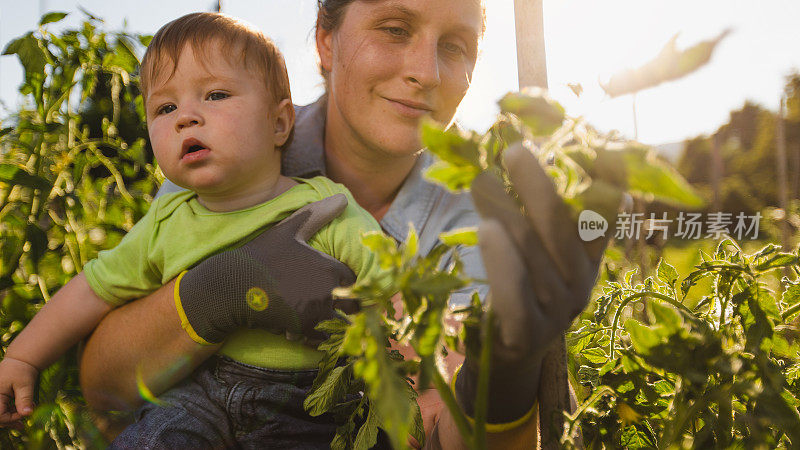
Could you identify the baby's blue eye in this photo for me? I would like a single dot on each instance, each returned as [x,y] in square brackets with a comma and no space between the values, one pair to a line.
[166,109]
[218,96]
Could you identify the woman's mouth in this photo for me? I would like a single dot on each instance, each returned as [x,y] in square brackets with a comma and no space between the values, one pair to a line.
[409,108]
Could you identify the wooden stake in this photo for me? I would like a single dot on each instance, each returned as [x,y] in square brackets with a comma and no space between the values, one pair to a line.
[780,165]
[531,61]
[532,71]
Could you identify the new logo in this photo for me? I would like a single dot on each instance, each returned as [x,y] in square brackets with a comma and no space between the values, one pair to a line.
[591,225]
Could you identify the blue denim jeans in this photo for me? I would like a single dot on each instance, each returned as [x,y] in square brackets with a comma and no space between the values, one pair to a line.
[226,404]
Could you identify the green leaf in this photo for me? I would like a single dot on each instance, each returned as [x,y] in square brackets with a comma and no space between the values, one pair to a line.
[383,246]
[777,261]
[428,334]
[791,296]
[643,337]
[541,114]
[343,439]
[582,155]
[595,355]
[17,176]
[453,177]
[647,175]
[329,392]
[667,273]
[29,53]
[665,316]
[352,344]
[451,145]
[332,326]
[122,57]
[633,438]
[467,236]
[10,251]
[438,284]
[391,394]
[767,250]
[411,245]
[756,308]
[52,17]
[629,364]
[417,428]
[669,64]
[368,433]
[629,276]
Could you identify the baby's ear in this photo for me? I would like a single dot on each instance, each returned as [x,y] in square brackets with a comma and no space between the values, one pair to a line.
[283,121]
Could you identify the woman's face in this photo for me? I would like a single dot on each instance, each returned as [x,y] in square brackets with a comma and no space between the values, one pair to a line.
[392,62]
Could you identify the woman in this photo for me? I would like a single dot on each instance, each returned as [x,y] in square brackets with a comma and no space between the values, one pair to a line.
[387,64]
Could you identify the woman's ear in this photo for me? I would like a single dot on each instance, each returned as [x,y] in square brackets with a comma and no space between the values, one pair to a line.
[324,47]
[283,121]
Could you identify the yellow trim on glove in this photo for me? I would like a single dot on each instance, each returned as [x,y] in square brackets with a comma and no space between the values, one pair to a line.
[496,427]
[184,321]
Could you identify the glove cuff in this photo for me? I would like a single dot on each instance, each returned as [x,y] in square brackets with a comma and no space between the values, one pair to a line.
[512,393]
[185,324]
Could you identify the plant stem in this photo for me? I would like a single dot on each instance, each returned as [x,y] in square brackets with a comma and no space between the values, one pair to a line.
[450,402]
[635,296]
[482,396]
[789,312]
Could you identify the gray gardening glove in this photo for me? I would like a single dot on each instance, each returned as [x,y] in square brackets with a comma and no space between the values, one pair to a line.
[275,282]
[540,275]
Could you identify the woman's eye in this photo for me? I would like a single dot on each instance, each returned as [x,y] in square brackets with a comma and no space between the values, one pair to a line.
[165,109]
[218,96]
[454,49]
[396,31]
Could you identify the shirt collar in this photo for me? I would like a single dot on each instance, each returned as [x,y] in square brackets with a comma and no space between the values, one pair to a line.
[414,202]
[305,156]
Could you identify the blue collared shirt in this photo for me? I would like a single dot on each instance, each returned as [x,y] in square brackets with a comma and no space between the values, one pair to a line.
[429,207]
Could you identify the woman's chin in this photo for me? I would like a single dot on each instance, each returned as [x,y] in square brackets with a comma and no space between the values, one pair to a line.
[404,143]
[403,150]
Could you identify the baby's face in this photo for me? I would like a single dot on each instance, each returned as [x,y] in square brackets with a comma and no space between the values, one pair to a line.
[211,126]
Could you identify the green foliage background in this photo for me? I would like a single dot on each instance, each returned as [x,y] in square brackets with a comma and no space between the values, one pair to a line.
[76,173]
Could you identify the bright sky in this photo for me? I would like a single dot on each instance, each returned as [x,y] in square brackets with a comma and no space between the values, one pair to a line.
[586,40]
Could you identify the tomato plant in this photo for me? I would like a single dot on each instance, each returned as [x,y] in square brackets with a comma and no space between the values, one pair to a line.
[75,174]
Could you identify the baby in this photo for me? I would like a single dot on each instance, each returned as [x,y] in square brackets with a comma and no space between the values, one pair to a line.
[219,111]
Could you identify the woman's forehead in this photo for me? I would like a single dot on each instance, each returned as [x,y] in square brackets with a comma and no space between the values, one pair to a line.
[466,15]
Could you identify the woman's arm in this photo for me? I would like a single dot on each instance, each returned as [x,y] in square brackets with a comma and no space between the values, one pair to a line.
[146,338]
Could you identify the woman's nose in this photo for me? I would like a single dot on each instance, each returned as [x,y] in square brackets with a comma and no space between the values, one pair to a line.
[422,64]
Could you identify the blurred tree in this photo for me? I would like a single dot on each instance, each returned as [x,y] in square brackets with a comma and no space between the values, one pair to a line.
[748,151]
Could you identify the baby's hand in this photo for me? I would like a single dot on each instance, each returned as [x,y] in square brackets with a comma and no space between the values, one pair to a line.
[17,381]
